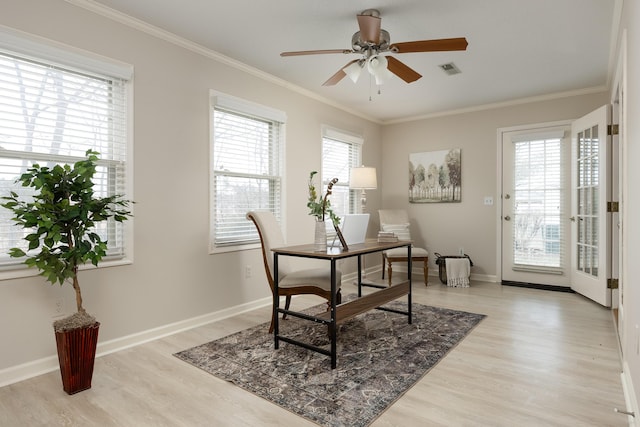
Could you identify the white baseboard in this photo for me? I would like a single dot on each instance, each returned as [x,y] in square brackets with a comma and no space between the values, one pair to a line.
[48,364]
[417,272]
[491,278]
[28,370]
[630,397]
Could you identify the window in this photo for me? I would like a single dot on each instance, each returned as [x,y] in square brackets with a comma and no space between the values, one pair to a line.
[246,163]
[340,152]
[53,112]
[538,233]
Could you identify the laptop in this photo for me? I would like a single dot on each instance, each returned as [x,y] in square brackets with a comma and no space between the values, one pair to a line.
[353,228]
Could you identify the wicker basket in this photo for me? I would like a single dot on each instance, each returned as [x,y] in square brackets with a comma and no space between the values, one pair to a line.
[442,264]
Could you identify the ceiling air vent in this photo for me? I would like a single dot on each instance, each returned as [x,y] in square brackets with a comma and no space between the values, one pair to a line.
[450,68]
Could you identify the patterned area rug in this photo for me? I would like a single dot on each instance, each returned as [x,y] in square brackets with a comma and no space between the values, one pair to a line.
[380,356]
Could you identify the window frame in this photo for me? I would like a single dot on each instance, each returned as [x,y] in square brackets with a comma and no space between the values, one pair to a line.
[355,144]
[73,60]
[247,109]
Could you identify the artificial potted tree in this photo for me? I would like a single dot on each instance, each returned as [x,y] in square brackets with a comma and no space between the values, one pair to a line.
[60,219]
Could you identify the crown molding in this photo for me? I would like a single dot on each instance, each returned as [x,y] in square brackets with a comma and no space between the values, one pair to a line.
[167,36]
[154,31]
[501,104]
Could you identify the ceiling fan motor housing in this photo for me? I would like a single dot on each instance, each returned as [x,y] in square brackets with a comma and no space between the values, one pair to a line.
[359,45]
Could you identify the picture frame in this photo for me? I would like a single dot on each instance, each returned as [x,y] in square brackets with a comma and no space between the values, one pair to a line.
[435,176]
[341,238]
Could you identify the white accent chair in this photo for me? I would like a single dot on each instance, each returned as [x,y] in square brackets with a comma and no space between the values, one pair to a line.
[397,221]
[316,281]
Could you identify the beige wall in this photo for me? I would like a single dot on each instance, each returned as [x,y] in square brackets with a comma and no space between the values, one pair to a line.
[173,277]
[445,227]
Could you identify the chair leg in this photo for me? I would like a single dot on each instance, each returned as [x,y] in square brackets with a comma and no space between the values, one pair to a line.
[287,303]
[272,321]
[389,272]
[338,299]
[426,270]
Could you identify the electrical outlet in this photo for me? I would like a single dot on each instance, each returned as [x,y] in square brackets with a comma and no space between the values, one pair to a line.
[488,201]
[57,308]
[247,271]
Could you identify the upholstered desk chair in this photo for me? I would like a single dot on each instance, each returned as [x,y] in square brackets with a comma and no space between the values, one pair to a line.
[397,221]
[316,281]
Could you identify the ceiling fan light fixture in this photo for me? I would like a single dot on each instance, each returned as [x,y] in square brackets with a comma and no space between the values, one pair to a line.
[377,67]
[353,70]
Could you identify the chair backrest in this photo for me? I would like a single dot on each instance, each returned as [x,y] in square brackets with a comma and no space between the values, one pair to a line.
[396,220]
[270,237]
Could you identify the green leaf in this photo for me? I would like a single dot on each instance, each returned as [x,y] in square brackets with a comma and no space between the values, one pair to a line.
[32,237]
[16,253]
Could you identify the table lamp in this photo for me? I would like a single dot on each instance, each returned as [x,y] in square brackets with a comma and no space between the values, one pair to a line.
[363,178]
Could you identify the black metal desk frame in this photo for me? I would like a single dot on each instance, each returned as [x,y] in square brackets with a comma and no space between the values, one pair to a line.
[342,312]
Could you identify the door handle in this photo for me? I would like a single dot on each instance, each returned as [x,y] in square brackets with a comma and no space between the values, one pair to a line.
[573,219]
[507,218]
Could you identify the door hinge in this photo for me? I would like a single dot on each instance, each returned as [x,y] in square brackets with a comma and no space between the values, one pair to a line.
[612,129]
[612,283]
[613,206]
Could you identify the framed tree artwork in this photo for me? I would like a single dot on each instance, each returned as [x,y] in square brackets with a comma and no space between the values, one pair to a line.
[435,176]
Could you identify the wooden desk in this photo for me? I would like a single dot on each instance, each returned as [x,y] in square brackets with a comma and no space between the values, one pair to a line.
[340,313]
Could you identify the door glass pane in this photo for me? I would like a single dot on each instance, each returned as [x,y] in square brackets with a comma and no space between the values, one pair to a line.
[588,181]
[537,227]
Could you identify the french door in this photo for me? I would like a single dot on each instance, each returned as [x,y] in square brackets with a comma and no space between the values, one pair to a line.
[556,228]
[591,189]
[535,205]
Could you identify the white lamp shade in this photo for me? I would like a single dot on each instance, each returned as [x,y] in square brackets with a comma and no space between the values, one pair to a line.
[377,66]
[353,70]
[363,178]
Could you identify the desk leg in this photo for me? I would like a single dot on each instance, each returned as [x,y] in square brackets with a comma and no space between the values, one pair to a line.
[276,302]
[359,276]
[332,326]
[409,266]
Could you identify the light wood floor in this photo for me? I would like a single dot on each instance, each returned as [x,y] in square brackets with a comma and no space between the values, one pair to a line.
[540,358]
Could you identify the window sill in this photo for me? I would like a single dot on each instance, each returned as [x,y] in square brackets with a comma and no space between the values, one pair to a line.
[235,248]
[19,271]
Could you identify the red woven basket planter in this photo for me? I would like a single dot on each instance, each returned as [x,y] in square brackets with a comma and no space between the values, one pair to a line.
[76,354]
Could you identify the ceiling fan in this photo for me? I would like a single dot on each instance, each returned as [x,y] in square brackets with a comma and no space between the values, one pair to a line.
[371,42]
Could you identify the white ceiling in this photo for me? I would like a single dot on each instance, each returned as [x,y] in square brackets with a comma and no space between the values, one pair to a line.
[518,49]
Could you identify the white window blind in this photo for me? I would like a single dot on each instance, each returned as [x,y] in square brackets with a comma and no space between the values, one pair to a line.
[340,152]
[539,235]
[52,114]
[247,165]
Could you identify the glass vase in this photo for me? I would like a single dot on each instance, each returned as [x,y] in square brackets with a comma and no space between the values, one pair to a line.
[320,241]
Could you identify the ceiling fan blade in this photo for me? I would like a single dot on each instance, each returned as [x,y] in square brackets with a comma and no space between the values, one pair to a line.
[402,70]
[369,28]
[439,45]
[315,52]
